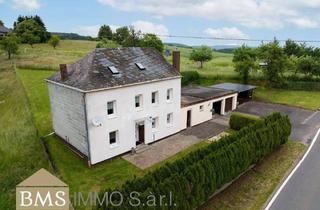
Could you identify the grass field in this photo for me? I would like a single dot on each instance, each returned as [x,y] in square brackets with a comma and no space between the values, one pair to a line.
[21,153]
[252,190]
[303,99]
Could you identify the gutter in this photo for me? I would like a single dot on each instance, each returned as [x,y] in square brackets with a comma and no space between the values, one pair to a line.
[110,88]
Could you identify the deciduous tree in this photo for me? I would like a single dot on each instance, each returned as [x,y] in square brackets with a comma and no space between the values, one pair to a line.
[202,55]
[244,60]
[54,41]
[151,40]
[105,32]
[10,44]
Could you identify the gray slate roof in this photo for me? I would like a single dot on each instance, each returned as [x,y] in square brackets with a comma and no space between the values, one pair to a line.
[194,95]
[92,73]
[234,86]
[4,29]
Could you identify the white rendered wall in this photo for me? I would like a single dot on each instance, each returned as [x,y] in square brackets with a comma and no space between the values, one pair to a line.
[198,116]
[126,117]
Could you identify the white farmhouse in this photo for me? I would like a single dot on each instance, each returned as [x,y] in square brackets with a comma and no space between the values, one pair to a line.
[112,100]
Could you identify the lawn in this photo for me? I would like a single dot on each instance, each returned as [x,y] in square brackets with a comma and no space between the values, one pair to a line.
[303,99]
[21,153]
[252,190]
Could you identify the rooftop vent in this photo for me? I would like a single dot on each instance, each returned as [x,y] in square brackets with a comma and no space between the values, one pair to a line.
[140,66]
[113,69]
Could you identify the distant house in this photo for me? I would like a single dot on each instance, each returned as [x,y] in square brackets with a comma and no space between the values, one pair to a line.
[112,100]
[4,31]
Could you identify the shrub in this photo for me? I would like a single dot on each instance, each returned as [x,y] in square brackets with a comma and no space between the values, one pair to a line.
[190,77]
[191,180]
[239,120]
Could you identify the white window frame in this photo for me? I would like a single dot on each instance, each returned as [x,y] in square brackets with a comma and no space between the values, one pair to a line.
[113,107]
[170,119]
[155,123]
[170,94]
[201,108]
[116,143]
[140,102]
[156,97]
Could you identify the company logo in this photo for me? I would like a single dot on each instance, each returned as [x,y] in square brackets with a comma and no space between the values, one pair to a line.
[42,190]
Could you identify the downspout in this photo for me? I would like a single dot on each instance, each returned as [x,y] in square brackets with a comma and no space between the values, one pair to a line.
[87,130]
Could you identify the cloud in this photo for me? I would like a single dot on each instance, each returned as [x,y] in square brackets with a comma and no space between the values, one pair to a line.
[149,27]
[304,23]
[1,1]
[87,30]
[91,30]
[28,5]
[272,14]
[229,33]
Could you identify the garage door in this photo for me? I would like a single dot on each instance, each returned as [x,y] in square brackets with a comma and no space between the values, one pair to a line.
[228,107]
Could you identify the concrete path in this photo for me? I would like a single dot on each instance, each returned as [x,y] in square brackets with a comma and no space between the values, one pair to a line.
[305,123]
[170,146]
[301,189]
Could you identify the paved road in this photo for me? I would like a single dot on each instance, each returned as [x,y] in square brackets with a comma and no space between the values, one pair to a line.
[302,191]
[305,123]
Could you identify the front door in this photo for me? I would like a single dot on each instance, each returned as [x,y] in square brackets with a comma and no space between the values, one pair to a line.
[141,133]
[188,118]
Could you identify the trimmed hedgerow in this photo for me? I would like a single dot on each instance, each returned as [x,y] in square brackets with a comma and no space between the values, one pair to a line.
[240,120]
[193,179]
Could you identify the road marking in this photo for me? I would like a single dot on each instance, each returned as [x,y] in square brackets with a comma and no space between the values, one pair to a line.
[310,117]
[292,172]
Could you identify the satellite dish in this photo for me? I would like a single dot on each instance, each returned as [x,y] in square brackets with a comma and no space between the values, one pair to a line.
[97,122]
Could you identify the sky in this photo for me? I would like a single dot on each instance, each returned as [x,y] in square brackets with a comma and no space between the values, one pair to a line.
[253,19]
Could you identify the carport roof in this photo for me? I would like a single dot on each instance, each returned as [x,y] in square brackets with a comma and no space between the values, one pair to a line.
[234,86]
[194,95]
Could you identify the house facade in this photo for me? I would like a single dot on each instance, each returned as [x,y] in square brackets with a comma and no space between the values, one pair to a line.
[113,100]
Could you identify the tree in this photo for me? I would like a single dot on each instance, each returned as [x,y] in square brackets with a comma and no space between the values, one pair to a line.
[244,60]
[133,40]
[292,49]
[30,38]
[1,23]
[151,40]
[29,29]
[105,43]
[276,60]
[307,65]
[54,41]
[202,55]
[105,32]
[10,44]
[42,32]
[121,34]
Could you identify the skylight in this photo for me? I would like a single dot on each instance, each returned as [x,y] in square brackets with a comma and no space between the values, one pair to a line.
[113,69]
[140,66]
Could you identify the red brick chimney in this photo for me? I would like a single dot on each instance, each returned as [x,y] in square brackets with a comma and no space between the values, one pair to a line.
[63,71]
[176,60]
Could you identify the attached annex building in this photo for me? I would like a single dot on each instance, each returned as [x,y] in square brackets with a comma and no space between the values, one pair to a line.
[112,100]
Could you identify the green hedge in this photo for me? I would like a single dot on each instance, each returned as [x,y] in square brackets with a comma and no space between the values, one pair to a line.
[195,177]
[240,120]
[190,77]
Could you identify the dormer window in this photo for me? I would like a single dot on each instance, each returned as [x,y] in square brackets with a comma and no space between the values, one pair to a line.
[140,66]
[113,69]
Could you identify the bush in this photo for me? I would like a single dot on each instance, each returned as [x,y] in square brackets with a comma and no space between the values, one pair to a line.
[190,77]
[239,120]
[191,180]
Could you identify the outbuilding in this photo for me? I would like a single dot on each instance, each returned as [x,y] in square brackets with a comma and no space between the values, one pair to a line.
[245,92]
[199,104]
